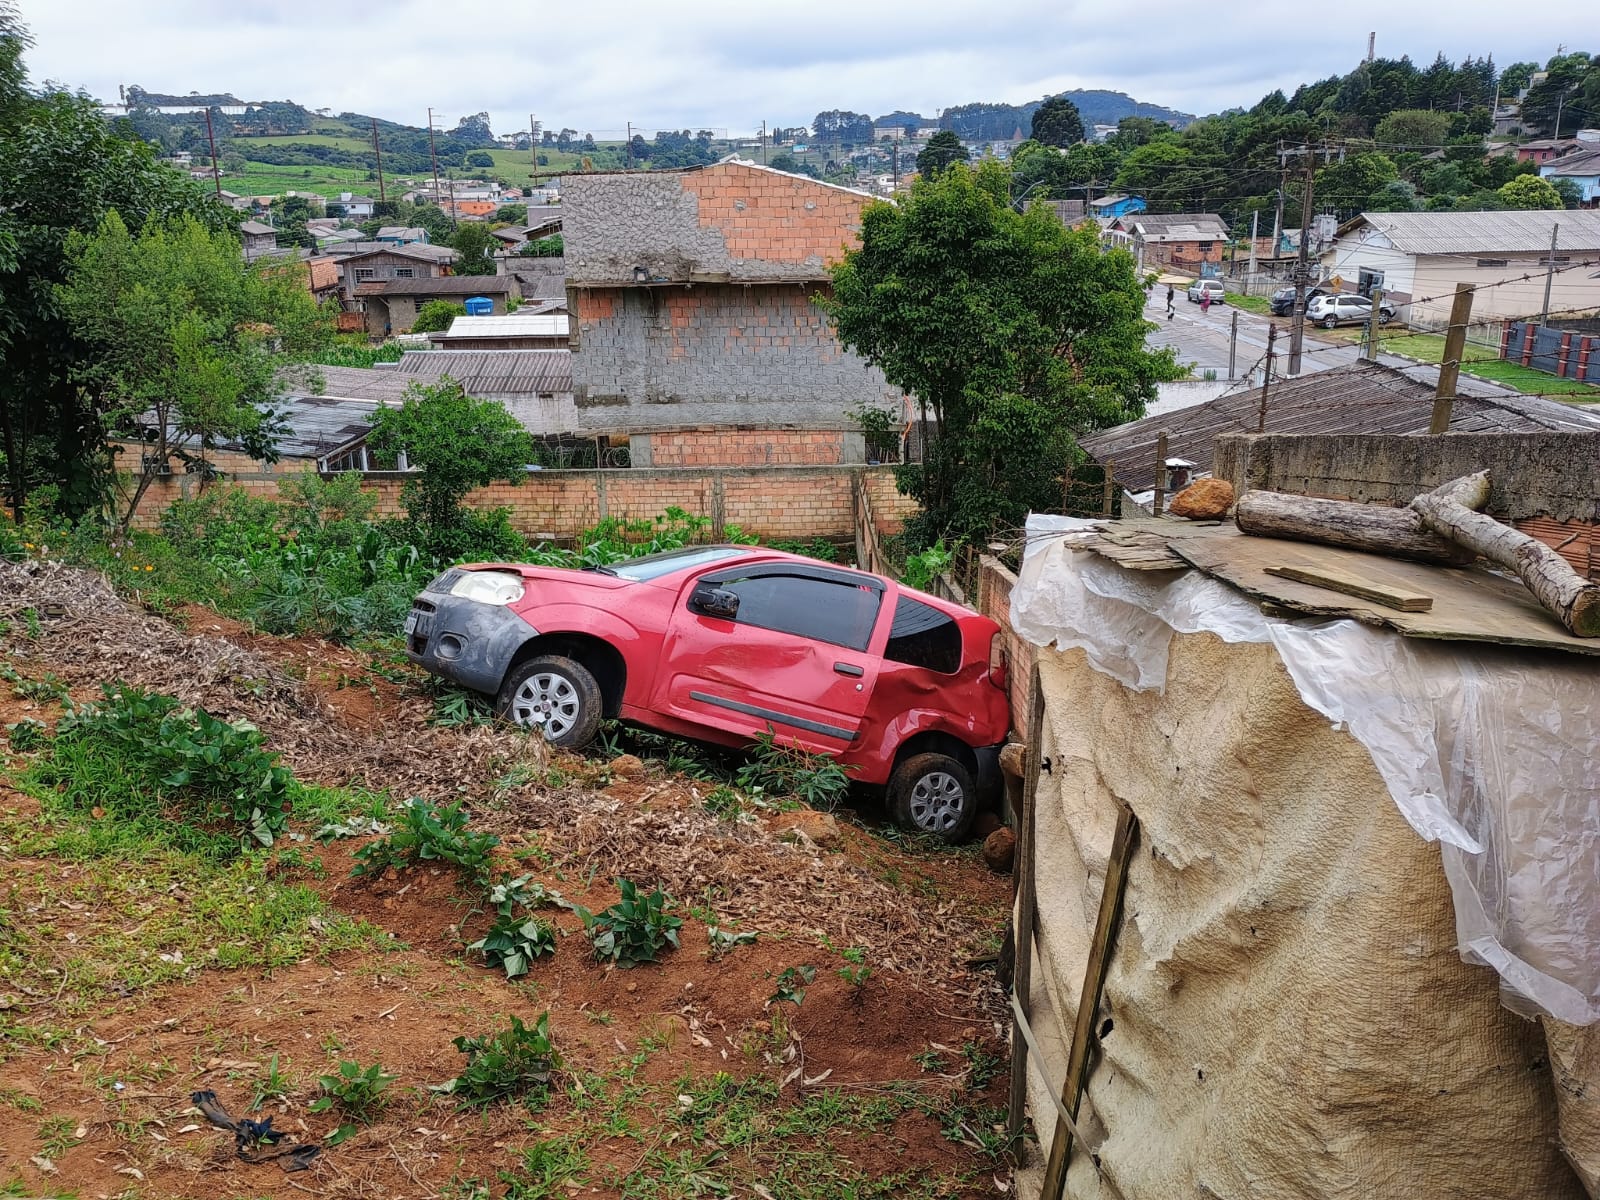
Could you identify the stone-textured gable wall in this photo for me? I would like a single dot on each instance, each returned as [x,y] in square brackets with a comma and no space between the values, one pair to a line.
[654,358]
[727,220]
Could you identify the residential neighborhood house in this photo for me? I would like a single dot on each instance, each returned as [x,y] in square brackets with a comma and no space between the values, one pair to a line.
[1583,169]
[1189,243]
[391,305]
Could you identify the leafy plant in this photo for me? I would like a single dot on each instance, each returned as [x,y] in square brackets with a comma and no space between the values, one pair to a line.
[355,1090]
[724,940]
[517,937]
[26,734]
[47,688]
[791,985]
[634,930]
[815,779]
[428,833]
[513,1062]
[723,802]
[271,1084]
[460,708]
[924,567]
[855,971]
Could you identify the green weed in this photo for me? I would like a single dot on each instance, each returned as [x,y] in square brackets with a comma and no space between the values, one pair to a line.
[518,1061]
[634,930]
[428,833]
[356,1091]
[791,985]
[517,937]
[817,780]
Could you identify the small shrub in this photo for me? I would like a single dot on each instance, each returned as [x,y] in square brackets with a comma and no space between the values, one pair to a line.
[723,803]
[855,971]
[724,940]
[634,930]
[27,734]
[817,780]
[457,709]
[356,1091]
[923,567]
[429,833]
[514,1062]
[517,937]
[790,985]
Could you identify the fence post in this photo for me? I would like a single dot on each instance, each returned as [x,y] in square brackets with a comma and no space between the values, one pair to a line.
[1505,338]
[1583,357]
[1564,355]
[1529,332]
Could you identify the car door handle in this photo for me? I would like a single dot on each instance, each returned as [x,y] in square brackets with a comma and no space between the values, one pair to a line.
[848,669]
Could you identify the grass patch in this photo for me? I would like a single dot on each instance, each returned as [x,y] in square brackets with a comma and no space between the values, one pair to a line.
[1486,363]
[1260,305]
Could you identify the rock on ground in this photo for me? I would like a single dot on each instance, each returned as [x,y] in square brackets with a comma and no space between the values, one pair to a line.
[999,848]
[1203,500]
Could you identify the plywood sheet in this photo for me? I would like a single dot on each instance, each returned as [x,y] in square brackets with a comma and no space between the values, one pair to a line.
[1468,604]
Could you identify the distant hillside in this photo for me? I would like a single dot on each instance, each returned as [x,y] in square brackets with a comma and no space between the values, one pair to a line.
[987,122]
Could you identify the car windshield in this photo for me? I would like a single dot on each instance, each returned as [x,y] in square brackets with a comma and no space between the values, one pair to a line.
[653,566]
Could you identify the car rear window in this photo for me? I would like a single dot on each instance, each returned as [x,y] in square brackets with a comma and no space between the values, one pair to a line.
[922,636]
[652,566]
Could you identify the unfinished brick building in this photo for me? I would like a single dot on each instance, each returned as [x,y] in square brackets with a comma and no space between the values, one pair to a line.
[695,329]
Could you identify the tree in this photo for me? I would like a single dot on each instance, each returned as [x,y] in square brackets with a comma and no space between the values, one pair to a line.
[1515,77]
[1412,127]
[1529,191]
[1570,191]
[512,214]
[1015,334]
[436,316]
[187,339]
[943,149]
[62,168]
[1056,123]
[457,443]
[433,219]
[293,212]
[479,158]
[1351,185]
[475,245]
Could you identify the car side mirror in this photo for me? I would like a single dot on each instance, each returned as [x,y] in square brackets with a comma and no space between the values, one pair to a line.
[714,601]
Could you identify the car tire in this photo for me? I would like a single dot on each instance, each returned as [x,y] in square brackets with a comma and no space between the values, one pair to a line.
[551,692]
[1384,317]
[1329,322]
[933,794]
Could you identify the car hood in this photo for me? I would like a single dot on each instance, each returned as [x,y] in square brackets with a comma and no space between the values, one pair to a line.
[566,576]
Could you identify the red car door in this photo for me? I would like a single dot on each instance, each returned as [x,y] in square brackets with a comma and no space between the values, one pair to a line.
[799,656]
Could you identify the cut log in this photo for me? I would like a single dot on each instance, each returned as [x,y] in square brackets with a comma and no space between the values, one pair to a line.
[1397,532]
[1569,597]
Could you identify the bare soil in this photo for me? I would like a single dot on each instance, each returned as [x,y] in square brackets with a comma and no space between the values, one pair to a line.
[97,1102]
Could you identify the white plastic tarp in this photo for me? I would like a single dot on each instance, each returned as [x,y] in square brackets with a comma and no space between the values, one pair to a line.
[1492,752]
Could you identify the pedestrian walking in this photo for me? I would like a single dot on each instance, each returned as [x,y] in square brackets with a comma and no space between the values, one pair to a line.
[1170,309]
[1205,303]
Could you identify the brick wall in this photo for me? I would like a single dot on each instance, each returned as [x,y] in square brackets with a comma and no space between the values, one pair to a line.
[709,447]
[240,470]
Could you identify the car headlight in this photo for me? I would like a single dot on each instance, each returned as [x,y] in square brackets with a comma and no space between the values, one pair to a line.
[488,587]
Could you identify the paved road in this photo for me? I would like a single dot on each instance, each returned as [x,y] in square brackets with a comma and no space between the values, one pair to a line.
[1202,338]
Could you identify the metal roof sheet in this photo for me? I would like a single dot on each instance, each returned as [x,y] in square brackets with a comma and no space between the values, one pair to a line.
[1363,398]
[510,325]
[443,285]
[493,372]
[1518,231]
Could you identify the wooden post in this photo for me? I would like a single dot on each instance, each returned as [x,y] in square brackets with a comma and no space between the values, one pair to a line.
[1022,978]
[1505,339]
[1094,981]
[1108,487]
[1455,345]
[1371,353]
[1266,378]
[377,153]
[1233,345]
[1564,356]
[1161,473]
[1529,332]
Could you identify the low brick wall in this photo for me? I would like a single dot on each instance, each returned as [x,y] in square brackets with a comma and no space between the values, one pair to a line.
[746,448]
[775,503]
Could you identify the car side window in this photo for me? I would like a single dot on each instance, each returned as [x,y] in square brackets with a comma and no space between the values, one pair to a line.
[922,636]
[826,610]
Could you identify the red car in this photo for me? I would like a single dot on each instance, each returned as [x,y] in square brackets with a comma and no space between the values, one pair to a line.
[722,643]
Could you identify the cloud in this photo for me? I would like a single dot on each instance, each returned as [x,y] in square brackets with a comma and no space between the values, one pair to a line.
[729,64]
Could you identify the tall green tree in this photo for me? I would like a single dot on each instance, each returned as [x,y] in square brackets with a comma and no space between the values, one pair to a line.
[62,168]
[943,149]
[476,246]
[185,340]
[1406,128]
[1057,123]
[1015,334]
[1529,191]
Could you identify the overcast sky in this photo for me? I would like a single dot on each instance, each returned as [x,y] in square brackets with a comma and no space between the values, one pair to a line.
[727,65]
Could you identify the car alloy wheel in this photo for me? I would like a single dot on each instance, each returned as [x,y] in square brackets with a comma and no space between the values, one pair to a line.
[548,701]
[938,802]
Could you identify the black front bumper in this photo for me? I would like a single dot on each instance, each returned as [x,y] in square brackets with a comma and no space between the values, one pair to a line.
[465,641]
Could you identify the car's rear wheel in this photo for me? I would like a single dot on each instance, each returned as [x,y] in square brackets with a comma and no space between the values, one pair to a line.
[934,794]
[555,695]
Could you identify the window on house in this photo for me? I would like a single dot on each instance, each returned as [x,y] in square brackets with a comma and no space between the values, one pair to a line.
[405,272]
[1205,247]
[364,273]
[1493,262]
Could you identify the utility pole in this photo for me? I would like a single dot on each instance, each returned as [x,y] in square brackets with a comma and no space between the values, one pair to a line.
[1266,379]
[1372,45]
[1233,345]
[434,156]
[1277,215]
[629,143]
[1549,273]
[378,151]
[216,176]
[1370,350]
[450,175]
[533,145]
[894,159]
[1455,344]
[763,143]
[1302,260]
[1255,221]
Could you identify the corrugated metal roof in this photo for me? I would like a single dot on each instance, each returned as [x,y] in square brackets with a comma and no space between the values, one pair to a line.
[493,372]
[1364,398]
[418,250]
[357,383]
[1582,162]
[443,285]
[1519,231]
[510,325]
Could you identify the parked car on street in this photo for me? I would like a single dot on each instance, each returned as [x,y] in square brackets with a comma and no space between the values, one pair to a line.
[1282,302]
[725,643]
[1328,311]
[1203,287]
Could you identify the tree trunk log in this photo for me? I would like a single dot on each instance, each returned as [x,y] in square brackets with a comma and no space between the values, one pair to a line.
[1573,600]
[1396,532]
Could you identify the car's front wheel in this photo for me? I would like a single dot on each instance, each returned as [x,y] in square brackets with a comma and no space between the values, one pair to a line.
[555,695]
[1329,322]
[934,794]
[1384,316]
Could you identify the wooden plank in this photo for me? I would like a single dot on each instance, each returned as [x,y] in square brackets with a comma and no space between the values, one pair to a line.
[1022,974]
[1352,585]
[1094,981]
